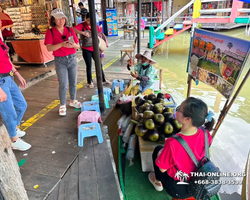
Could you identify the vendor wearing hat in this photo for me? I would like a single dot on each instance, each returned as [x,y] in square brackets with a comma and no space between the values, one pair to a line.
[145,73]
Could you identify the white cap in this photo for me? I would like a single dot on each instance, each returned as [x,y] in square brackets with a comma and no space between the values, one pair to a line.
[58,13]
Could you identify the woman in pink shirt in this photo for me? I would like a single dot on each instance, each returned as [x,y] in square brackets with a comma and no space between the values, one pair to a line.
[12,102]
[87,52]
[167,160]
[63,42]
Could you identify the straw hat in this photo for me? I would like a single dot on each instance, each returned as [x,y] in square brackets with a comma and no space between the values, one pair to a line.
[147,55]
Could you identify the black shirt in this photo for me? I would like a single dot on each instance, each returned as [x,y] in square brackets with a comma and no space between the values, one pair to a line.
[83,13]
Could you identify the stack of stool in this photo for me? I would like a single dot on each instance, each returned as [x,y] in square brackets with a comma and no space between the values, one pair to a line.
[96,98]
[119,83]
[106,91]
[90,114]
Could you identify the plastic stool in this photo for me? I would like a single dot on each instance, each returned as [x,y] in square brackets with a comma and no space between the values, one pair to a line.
[89,130]
[96,98]
[90,105]
[106,91]
[116,83]
[89,116]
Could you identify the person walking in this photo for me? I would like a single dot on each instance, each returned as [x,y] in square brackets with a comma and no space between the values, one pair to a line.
[87,52]
[83,11]
[63,42]
[12,102]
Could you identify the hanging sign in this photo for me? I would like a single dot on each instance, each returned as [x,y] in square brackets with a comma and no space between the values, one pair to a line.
[217,60]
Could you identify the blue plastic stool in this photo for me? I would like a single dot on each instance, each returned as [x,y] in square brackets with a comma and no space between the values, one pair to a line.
[89,130]
[90,105]
[116,83]
[106,91]
[96,98]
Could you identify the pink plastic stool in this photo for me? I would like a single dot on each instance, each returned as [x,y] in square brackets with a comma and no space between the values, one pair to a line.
[89,116]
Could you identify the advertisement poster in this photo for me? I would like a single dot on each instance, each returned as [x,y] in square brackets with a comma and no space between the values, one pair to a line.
[217,60]
[112,23]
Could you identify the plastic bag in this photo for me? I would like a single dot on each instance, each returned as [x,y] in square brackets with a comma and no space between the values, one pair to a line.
[121,121]
[131,148]
[126,123]
[127,133]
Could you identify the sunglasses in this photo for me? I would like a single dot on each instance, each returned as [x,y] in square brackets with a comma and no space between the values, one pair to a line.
[178,109]
[3,47]
[64,37]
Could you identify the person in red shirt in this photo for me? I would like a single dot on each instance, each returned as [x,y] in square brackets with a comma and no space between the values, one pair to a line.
[6,26]
[12,102]
[7,32]
[63,42]
[87,52]
[173,158]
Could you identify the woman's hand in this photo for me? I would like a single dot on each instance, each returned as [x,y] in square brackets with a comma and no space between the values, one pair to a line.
[67,44]
[21,80]
[135,75]
[85,34]
[3,96]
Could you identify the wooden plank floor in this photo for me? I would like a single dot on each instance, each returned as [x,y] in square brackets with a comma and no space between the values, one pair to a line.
[55,162]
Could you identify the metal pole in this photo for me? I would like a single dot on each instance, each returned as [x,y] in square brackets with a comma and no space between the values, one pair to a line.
[139,27]
[96,53]
[151,8]
[162,9]
[103,3]
[189,85]
[169,10]
[225,110]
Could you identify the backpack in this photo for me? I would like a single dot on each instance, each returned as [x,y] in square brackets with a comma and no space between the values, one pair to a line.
[207,183]
[86,41]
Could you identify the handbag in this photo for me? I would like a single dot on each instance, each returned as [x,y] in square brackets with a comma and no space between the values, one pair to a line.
[102,44]
[87,41]
[202,187]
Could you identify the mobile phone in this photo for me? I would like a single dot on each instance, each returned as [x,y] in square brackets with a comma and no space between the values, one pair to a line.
[71,39]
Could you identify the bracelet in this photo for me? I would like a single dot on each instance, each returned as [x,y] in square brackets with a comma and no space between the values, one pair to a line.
[15,72]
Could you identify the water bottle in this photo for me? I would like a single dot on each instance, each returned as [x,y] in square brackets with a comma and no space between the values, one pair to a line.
[131,148]
[127,133]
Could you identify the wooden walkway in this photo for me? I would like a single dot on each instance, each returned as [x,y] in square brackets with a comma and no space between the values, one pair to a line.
[55,162]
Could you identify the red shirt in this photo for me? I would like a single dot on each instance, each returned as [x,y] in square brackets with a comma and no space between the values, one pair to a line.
[5,65]
[5,32]
[83,27]
[173,154]
[57,38]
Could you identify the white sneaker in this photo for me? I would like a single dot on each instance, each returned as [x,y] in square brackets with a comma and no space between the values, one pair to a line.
[20,145]
[20,133]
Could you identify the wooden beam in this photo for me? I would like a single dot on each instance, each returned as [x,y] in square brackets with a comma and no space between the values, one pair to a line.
[11,186]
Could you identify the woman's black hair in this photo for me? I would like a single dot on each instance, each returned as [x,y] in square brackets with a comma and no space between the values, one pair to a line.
[52,21]
[197,110]
[87,16]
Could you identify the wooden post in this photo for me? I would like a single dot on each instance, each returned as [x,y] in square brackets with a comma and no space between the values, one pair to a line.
[160,75]
[11,185]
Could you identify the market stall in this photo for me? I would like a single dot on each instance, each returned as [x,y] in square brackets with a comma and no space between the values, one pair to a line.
[30,23]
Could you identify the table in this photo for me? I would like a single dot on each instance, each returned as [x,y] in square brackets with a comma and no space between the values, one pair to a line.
[32,51]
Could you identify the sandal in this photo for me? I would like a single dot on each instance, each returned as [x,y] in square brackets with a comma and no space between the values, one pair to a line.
[107,82]
[75,104]
[62,110]
[157,187]
[91,85]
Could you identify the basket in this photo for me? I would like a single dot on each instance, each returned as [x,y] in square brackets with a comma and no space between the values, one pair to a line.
[125,106]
